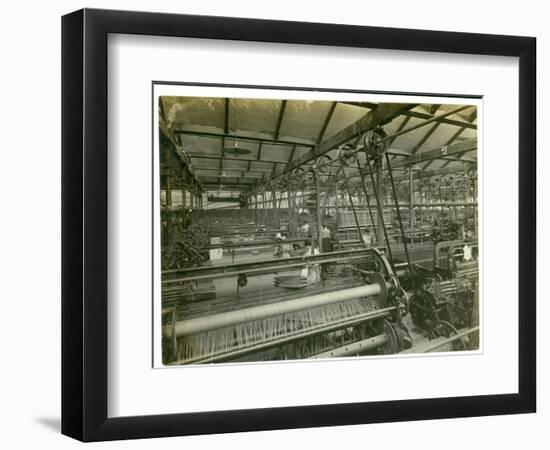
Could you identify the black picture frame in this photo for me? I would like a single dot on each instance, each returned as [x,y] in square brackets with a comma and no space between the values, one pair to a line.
[84,224]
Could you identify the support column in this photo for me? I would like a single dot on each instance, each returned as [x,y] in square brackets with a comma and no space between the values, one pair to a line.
[337,207]
[192,203]
[183,181]
[290,227]
[275,216]
[263,209]
[379,191]
[411,198]
[255,209]
[359,234]
[183,202]
[318,204]
[169,218]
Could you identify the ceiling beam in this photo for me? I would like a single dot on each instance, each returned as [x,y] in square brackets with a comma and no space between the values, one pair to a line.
[227,158]
[419,115]
[432,109]
[226,186]
[449,142]
[419,174]
[279,120]
[325,123]
[368,105]
[241,137]
[398,152]
[422,141]
[470,118]
[256,174]
[440,153]
[432,119]
[383,114]
[456,123]
[291,157]
[274,169]
[401,126]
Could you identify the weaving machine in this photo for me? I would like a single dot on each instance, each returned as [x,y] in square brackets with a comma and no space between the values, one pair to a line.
[252,324]
[447,297]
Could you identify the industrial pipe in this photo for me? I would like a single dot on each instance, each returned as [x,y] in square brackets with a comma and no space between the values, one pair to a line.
[202,324]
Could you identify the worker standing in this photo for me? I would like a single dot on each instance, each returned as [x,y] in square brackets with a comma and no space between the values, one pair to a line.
[312,272]
[366,237]
[326,240]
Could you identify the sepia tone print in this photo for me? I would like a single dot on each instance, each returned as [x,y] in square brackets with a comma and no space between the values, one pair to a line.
[302,229]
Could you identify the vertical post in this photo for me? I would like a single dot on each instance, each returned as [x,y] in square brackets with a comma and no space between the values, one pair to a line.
[169,221]
[336,208]
[396,202]
[168,187]
[255,209]
[379,190]
[318,204]
[183,200]
[192,203]
[367,199]
[263,208]
[290,227]
[354,214]
[275,215]
[379,206]
[474,199]
[197,203]
[411,199]
[183,195]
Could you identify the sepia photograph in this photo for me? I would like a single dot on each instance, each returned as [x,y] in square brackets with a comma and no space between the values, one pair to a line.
[315,226]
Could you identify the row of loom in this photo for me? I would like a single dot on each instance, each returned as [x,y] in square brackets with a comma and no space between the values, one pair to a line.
[307,323]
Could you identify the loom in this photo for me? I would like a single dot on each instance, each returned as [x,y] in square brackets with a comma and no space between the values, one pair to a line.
[328,321]
[446,298]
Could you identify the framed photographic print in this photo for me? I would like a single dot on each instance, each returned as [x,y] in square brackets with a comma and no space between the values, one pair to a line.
[274,224]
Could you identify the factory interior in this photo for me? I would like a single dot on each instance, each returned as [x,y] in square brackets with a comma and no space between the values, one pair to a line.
[305,229]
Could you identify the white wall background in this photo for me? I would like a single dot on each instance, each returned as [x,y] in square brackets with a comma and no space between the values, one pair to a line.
[30,226]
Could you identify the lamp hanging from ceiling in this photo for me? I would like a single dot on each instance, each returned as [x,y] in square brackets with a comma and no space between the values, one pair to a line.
[235,149]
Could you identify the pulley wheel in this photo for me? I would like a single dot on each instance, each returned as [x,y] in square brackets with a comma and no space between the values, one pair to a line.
[375,142]
[322,164]
[391,346]
[347,155]
[444,329]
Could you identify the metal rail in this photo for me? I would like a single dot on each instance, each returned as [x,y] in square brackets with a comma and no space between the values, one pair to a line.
[451,339]
[354,347]
[260,267]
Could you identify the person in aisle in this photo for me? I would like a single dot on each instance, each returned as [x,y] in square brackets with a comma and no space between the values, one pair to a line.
[326,240]
[311,272]
[366,236]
